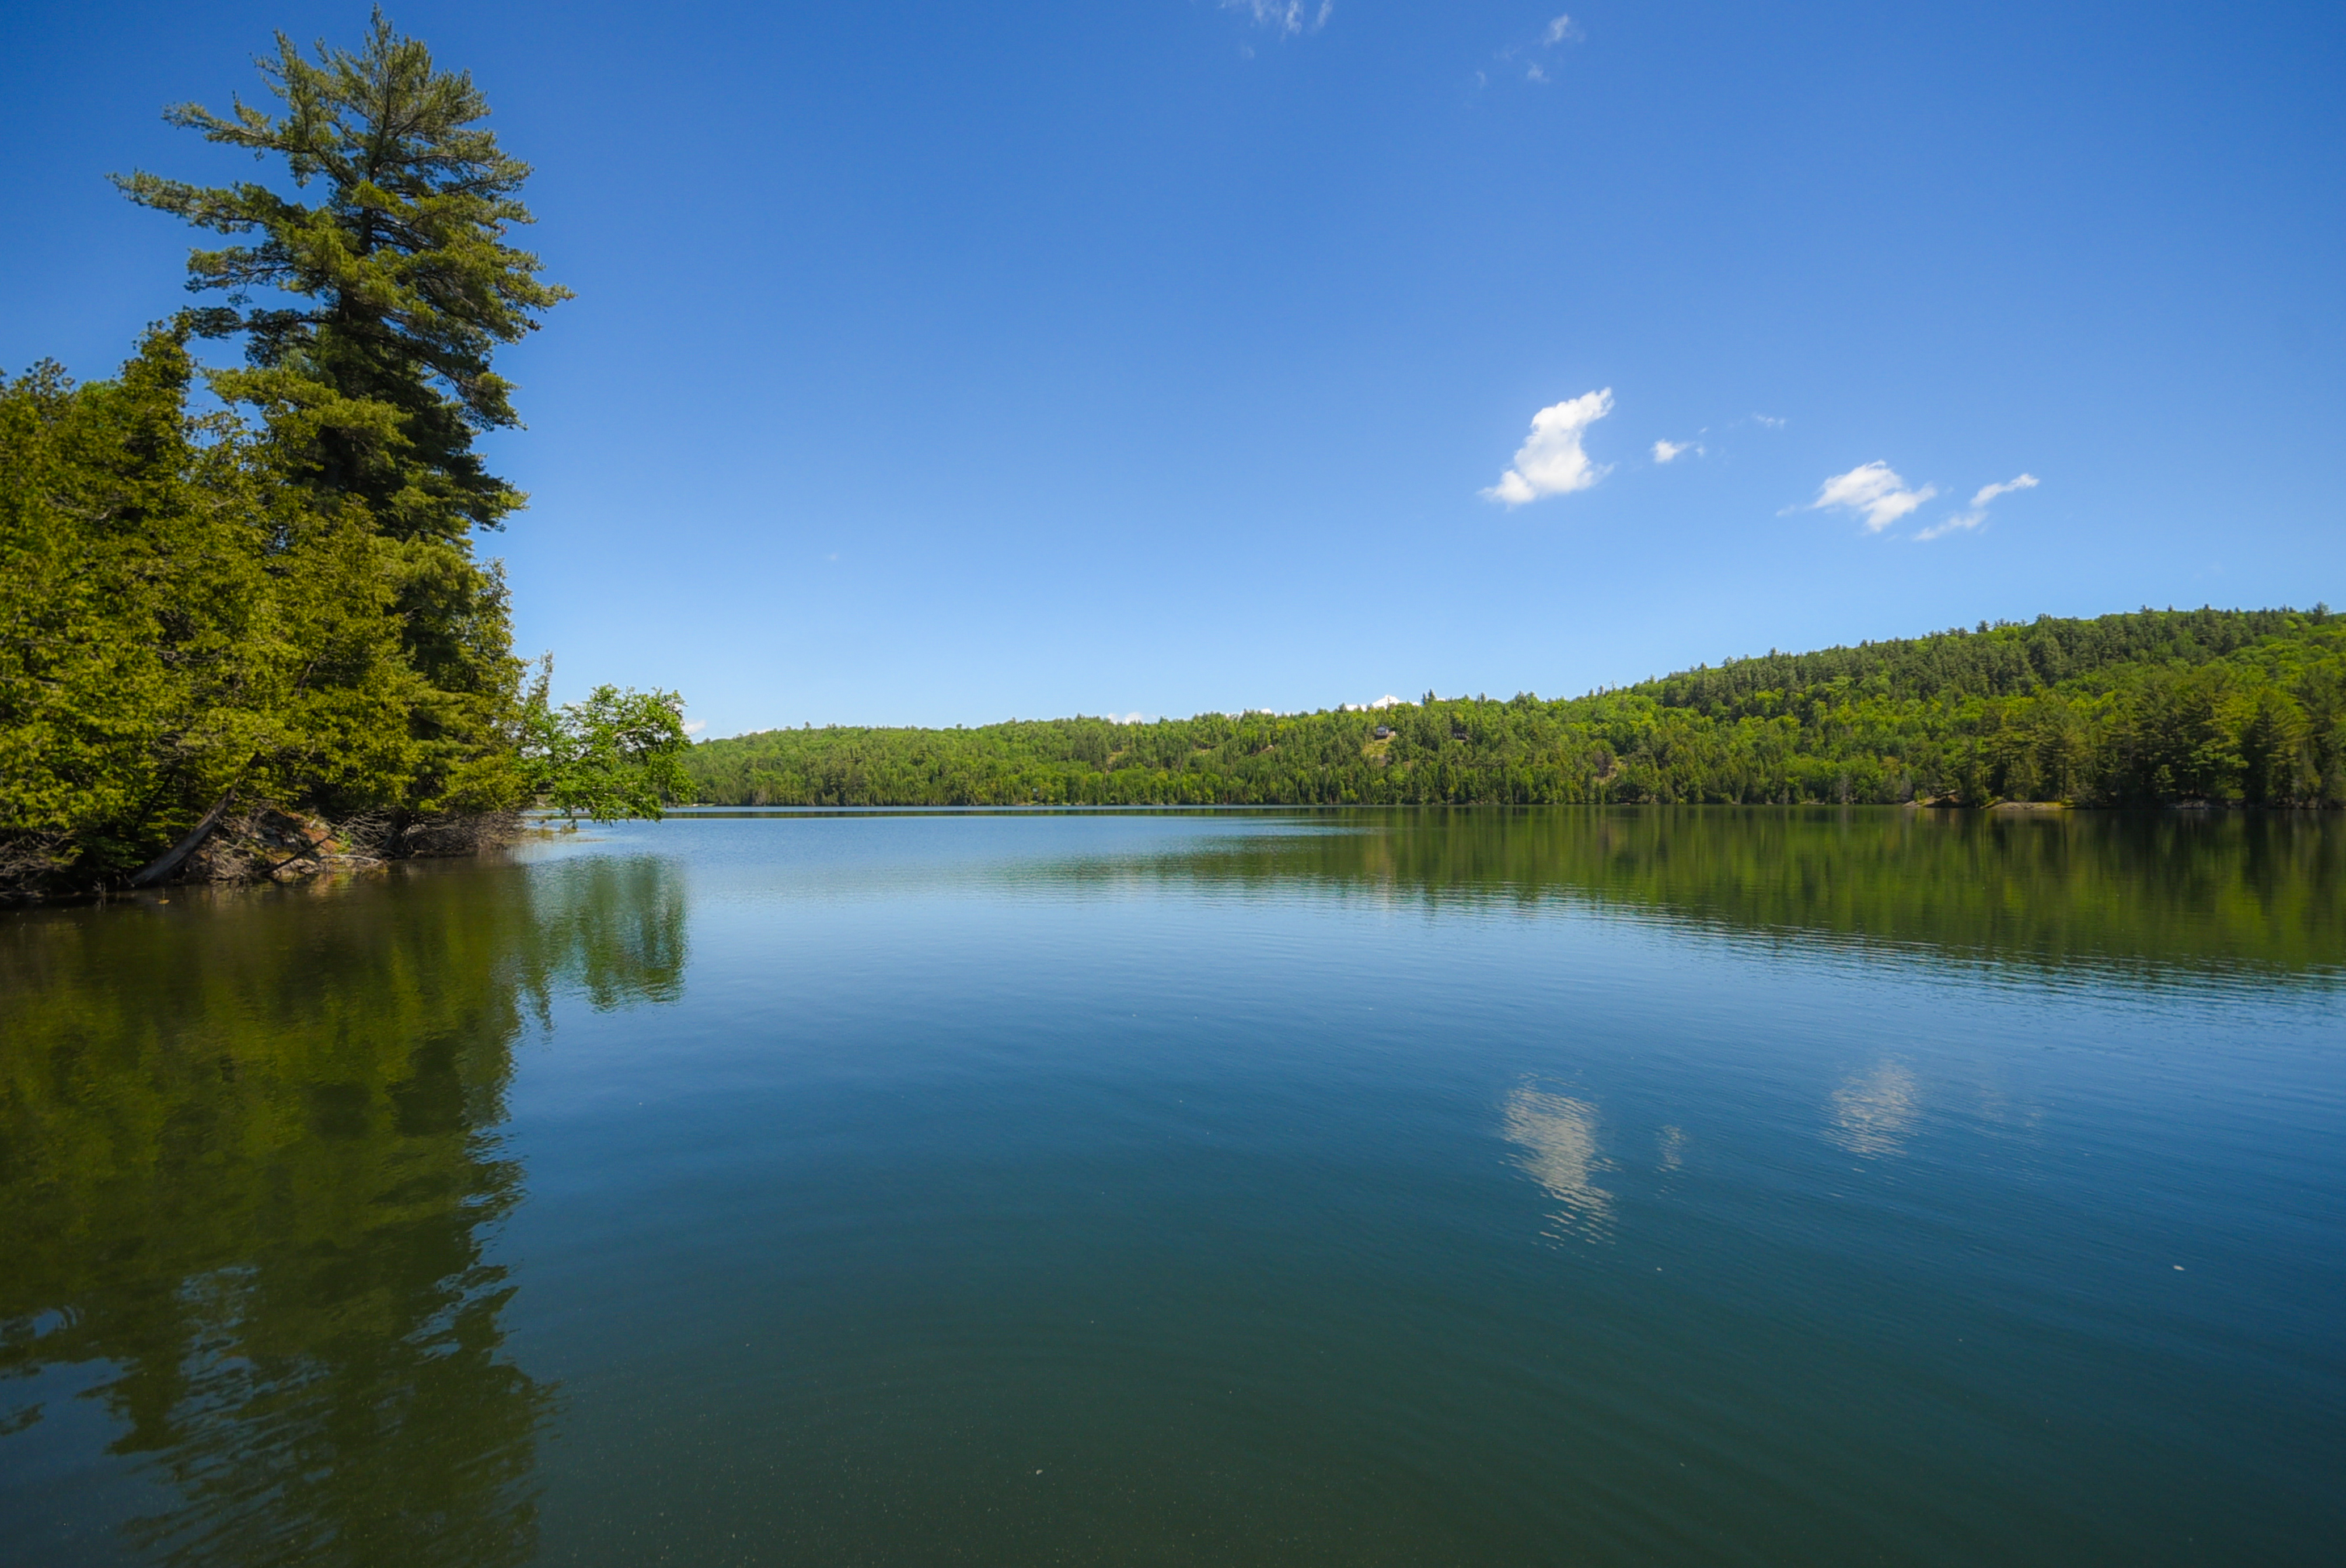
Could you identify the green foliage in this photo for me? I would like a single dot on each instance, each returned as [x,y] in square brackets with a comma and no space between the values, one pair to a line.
[175,623]
[280,603]
[369,349]
[619,754]
[2246,706]
[403,282]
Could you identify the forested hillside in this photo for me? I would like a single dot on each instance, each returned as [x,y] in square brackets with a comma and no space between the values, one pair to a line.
[2158,706]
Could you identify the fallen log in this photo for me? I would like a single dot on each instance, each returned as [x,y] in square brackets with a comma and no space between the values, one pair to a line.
[163,865]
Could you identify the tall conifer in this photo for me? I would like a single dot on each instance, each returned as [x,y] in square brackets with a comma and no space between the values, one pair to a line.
[370,317]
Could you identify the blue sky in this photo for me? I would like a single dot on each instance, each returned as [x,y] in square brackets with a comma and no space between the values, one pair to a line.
[945,363]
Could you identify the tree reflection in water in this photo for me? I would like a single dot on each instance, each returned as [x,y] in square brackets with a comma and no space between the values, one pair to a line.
[2151,893]
[251,1168]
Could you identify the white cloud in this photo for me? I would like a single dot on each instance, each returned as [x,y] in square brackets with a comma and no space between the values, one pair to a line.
[1534,73]
[1988,493]
[1558,31]
[1288,17]
[1770,421]
[1963,521]
[1551,463]
[695,726]
[1875,490]
[1671,451]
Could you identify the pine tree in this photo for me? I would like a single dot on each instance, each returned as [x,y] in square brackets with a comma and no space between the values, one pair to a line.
[370,318]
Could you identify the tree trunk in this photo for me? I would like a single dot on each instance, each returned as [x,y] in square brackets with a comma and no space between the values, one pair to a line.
[156,870]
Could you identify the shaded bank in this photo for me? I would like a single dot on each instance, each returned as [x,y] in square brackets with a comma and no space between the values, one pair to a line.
[251,1175]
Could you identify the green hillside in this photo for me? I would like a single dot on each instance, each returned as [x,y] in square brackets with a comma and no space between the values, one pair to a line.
[2158,706]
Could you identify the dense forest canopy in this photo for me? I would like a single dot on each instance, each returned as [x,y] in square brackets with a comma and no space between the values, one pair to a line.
[275,608]
[2159,706]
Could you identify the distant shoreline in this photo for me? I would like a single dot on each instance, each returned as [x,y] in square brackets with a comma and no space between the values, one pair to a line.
[2155,707]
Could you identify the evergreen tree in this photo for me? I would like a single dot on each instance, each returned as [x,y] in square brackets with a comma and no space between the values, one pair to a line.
[175,626]
[370,317]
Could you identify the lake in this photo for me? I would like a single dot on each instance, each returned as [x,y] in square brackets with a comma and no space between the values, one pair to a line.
[1568,1185]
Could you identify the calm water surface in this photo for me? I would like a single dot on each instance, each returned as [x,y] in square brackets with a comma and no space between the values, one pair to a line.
[1539,1187]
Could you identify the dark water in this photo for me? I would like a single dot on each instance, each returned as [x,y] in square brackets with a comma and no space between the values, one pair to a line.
[1566,1187]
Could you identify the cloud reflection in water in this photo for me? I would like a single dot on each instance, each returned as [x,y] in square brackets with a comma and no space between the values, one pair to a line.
[1872,1111]
[1558,1136]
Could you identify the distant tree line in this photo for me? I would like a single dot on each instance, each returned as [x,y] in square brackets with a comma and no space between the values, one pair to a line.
[269,600]
[2225,707]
